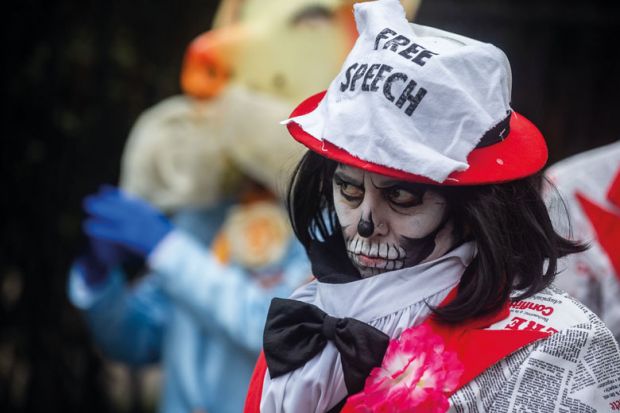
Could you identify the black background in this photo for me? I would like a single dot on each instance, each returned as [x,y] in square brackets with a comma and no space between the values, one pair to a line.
[76,74]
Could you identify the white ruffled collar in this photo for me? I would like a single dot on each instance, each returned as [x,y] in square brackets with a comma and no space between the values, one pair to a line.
[370,298]
[391,302]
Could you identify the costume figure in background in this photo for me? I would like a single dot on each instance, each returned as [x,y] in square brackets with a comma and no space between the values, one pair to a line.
[432,248]
[589,186]
[212,270]
[229,249]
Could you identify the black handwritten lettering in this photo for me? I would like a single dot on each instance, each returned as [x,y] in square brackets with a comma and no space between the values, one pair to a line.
[359,73]
[407,95]
[387,86]
[393,44]
[380,76]
[369,75]
[423,56]
[383,34]
[411,51]
[345,85]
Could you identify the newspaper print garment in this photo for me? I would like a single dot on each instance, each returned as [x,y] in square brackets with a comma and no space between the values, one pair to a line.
[576,369]
[590,277]
[379,301]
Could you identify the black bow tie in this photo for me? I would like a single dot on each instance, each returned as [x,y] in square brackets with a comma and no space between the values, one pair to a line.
[295,332]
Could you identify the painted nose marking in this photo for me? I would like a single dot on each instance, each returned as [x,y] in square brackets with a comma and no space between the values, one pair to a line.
[365,228]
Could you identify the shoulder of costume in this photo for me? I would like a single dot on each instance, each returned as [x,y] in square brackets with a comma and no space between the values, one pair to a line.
[484,341]
[305,293]
[548,311]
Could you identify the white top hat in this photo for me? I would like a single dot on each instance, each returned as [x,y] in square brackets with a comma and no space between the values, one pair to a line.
[415,102]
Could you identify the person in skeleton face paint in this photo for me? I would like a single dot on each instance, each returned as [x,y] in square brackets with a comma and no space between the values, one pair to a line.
[389,224]
[418,204]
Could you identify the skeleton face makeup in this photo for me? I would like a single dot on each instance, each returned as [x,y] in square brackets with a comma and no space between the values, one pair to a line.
[389,224]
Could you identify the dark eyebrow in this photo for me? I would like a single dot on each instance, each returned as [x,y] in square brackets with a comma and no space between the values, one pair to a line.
[408,186]
[347,178]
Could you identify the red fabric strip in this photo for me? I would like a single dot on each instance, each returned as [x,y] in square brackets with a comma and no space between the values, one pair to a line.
[606,224]
[255,389]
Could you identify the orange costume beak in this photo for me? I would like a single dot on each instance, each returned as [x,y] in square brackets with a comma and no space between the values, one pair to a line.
[208,61]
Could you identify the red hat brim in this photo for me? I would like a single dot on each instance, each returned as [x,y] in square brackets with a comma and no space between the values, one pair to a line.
[522,153]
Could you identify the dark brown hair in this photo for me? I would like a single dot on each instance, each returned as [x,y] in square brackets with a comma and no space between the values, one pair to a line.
[518,248]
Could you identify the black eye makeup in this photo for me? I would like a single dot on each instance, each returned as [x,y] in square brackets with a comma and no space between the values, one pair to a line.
[403,197]
[350,191]
[401,194]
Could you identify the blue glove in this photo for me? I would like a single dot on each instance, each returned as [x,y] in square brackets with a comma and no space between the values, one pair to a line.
[99,259]
[125,221]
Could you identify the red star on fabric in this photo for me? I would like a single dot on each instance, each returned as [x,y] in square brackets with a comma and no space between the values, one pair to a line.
[606,223]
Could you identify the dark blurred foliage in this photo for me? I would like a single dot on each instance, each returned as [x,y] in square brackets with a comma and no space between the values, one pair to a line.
[76,74]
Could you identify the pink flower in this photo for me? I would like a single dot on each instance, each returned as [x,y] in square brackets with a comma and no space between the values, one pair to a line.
[416,375]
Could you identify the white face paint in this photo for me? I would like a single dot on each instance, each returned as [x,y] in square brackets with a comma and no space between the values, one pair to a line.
[389,224]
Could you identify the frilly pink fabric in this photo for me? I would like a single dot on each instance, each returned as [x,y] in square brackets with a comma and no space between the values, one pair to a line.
[416,375]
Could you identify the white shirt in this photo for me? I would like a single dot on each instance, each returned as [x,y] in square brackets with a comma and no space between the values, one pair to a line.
[390,302]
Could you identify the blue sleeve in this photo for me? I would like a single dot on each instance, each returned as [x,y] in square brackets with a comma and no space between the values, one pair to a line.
[223,298]
[127,323]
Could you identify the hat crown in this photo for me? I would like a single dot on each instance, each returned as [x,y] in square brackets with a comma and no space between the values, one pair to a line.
[411,97]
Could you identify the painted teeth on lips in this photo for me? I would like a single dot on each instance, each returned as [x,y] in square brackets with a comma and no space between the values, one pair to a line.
[384,250]
[382,256]
[364,261]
